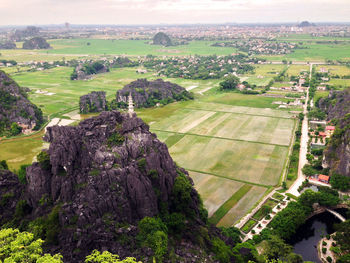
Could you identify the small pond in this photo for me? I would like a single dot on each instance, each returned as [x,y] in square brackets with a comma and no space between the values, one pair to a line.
[309,234]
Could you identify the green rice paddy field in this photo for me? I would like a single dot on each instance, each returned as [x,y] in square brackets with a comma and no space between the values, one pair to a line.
[133,48]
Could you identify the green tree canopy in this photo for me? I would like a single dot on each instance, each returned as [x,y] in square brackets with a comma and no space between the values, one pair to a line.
[229,83]
[17,247]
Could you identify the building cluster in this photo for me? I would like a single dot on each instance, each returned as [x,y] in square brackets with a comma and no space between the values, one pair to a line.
[260,46]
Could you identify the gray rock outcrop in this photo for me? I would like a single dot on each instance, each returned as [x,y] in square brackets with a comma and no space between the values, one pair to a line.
[93,102]
[148,93]
[15,106]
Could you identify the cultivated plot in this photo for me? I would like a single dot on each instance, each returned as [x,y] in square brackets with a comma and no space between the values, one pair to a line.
[214,190]
[295,70]
[227,125]
[238,160]
[242,206]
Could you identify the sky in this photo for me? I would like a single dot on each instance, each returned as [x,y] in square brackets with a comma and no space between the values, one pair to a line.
[39,12]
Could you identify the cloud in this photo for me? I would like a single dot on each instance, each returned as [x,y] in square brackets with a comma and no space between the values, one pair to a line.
[170,11]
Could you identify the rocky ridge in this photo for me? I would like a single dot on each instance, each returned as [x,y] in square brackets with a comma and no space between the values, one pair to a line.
[93,102]
[162,39]
[148,93]
[337,153]
[86,70]
[15,106]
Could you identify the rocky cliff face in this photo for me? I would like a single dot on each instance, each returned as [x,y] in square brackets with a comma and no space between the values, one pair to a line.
[337,153]
[15,106]
[148,93]
[162,39]
[96,182]
[93,102]
[86,70]
[36,43]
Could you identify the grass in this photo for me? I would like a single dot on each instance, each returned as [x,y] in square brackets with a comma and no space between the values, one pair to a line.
[133,48]
[339,82]
[316,52]
[295,70]
[214,190]
[21,150]
[334,69]
[242,207]
[222,211]
[278,196]
[320,94]
[248,226]
[238,99]
[67,92]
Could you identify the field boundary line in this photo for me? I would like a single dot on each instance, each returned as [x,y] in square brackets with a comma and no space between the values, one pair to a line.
[221,138]
[229,178]
[283,176]
[229,204]
[239,113]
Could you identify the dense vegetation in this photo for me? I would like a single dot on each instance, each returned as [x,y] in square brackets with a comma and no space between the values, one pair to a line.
[200,67]
[16,246]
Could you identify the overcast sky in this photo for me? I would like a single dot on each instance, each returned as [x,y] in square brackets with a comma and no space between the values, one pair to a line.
[25,12]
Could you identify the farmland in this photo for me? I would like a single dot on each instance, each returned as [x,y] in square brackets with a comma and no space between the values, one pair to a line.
[133,48]
[232,152]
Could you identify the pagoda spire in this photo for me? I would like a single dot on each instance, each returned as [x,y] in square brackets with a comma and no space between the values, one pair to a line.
[131,105]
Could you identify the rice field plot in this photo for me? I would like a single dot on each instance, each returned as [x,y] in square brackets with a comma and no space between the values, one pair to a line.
[243,127]
[133,48]
[334,69]
[339,82]
[249,162]
[268,70]
[239,99]
[214,190]
[21,150]
[211,106]
[242,206]
[53,91]
[295,70]
[258,81]
[315,52]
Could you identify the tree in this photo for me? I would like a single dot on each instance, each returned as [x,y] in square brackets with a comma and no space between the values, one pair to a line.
[308,170]
[276,248]
[15,129]
[3,165]
[342,237]
[153,234]
[229,83]
[16,247]
[340,182]
[107,257]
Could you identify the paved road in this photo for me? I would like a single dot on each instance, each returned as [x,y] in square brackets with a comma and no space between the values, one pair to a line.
[303,146]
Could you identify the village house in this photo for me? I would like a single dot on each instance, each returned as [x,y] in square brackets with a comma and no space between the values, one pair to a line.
[323,178]
[329,131]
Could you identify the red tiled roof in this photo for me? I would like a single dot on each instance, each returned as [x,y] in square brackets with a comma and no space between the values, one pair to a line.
[323,134]
[323,177]
[330,128]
